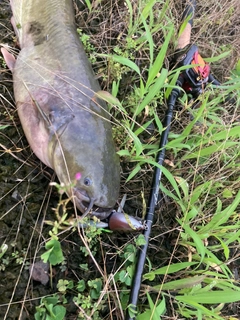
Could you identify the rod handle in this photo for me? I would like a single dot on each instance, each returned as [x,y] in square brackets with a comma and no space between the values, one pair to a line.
[185,37]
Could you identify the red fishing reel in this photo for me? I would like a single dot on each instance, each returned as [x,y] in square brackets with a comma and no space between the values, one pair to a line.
[196,76]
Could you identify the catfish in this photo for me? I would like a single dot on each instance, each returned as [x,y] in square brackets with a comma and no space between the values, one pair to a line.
[67,126]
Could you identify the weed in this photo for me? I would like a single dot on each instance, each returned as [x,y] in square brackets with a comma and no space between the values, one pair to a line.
[50,309]
[85,39]
[3,63]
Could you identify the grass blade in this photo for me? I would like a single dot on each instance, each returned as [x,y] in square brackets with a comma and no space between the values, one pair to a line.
[158,63]
[226,296]
[155,88]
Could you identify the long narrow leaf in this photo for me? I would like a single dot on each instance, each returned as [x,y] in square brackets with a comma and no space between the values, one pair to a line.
[168,269]
[122,60]
[232,132]
[134,172]
[180,284]
[208,314]
[210,150]
[148,8]
[219,57]
[197,241]
[225,296]
[158,63]
[221,217]
[130,9]
[160,310]
[172,84]
[154,312]
[165,171]
[155,88]
[149,39]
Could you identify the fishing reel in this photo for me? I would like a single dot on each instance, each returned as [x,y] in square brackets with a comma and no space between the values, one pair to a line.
[197,74]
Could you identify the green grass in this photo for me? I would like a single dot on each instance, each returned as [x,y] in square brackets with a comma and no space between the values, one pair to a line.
[202,181]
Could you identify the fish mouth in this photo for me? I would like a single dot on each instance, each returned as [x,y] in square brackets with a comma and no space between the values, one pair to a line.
[87,205]
[83,201]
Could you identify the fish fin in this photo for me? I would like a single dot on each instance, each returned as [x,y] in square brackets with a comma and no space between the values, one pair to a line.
[35,130]
[43,114]
[55,121]
[9,58]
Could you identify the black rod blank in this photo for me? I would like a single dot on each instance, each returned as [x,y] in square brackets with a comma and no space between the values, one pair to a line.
[152,202]
[153,197]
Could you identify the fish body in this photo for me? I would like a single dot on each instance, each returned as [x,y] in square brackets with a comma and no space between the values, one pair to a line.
[66,125]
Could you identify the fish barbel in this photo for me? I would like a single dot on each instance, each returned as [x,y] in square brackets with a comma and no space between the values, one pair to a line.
[66,125]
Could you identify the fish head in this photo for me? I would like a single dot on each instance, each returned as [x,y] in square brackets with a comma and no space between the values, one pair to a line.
[94,188]
[85,161]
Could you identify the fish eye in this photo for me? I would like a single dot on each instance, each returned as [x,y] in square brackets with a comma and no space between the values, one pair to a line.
[87,181]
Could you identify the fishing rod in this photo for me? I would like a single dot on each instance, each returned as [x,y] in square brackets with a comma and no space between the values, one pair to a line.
[193,80]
